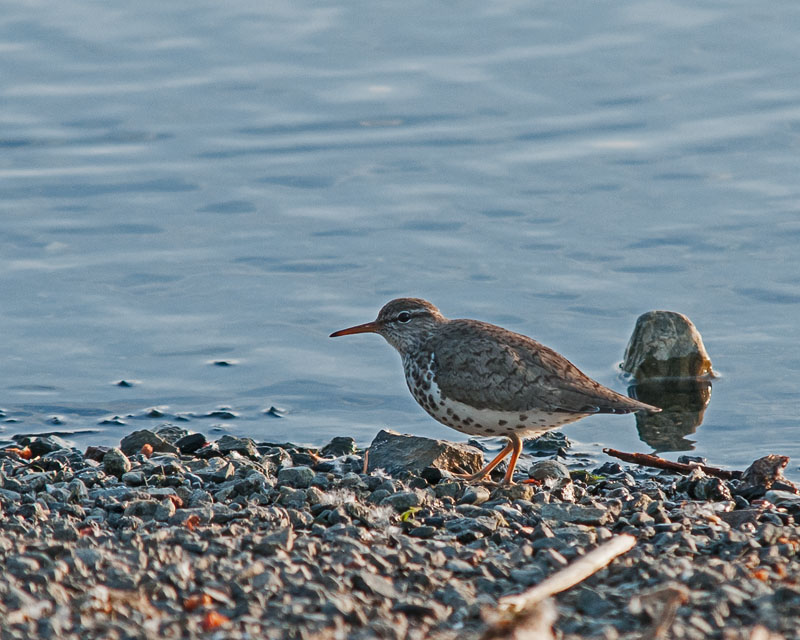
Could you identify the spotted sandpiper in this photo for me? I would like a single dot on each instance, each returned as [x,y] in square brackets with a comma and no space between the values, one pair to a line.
[484,380]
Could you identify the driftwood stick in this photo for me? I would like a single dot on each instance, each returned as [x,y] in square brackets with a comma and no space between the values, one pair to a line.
[648,460]
[569,576]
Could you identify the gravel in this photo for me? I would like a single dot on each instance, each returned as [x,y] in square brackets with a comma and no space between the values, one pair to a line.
[240,539]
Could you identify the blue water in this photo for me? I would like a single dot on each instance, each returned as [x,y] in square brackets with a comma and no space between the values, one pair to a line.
[191,183]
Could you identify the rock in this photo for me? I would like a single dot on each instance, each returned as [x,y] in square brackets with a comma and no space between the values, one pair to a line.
[395,452]
[702,487]
[575,514]
[216,470]
[145,509]
[764,474]
[591,603]
[403,500]
[294,498]
[484,525]
[43,445]
[133,443]
[283,539]
[116,463]
[190,443]
[133,478]
[242,446]
[96,452]
[475,494]
[169,432]
[299,477]
[77,490]
[374,585]
[165,510]
[641,519]
[665,344]
[548,444]
[339,446]
[548,472]
[783,499]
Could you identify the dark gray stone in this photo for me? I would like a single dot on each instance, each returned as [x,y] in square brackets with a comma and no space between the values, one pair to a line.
[282,539]
[403,500]
[299,477]
[549,472]
[145,509]
[133,478]
[190,443]
[475,494]
[134,442]
[243,446]
[423,531]
[591,603]
[116,463]
[170,432]
[576,514]
[395,452]
[374,585]
[339,446]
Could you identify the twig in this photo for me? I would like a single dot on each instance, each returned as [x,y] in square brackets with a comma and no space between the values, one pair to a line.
[648,460]
[366,461]
[569,576]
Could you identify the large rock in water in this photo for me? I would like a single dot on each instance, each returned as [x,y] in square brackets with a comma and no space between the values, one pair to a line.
[394,452]
[665,344]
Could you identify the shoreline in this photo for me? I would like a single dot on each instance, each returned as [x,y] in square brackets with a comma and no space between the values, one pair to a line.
[172,536]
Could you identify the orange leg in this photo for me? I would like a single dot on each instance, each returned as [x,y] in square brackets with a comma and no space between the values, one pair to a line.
[516,442]
[514,447]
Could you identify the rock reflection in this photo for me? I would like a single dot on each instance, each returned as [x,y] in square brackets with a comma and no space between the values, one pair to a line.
[683,402]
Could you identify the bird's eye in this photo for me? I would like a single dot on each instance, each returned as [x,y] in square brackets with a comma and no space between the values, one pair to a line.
[403,316]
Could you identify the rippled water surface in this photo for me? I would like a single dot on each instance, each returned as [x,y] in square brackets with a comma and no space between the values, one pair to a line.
[189,185]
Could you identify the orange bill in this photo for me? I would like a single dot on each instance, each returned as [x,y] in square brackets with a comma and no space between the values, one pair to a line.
[369,327]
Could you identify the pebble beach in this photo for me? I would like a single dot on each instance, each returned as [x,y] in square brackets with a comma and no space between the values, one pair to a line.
[172,536]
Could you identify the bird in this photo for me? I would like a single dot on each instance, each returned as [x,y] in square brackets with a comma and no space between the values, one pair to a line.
[483,380]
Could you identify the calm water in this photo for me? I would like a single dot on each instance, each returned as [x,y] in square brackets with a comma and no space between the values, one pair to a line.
[187,183]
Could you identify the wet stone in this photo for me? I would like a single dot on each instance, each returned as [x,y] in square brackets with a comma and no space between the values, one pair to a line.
[665,344]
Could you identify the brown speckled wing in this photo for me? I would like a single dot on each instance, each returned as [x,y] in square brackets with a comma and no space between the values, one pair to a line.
[490,368]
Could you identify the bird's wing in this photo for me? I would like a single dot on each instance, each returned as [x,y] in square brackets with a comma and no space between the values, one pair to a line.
[516,373]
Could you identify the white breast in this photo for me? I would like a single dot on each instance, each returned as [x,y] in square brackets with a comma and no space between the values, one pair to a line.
[479,422]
